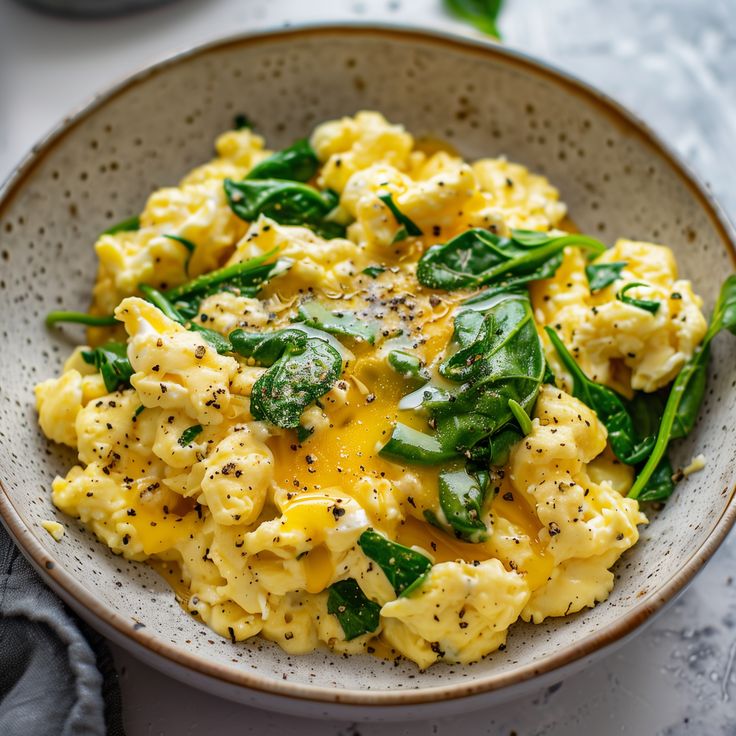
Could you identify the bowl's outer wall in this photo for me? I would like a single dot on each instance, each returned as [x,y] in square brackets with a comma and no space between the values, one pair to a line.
[152,131]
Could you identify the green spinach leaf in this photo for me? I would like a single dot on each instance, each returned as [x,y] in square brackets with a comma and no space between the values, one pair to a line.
[81,318]
[410,445]
[338,322]
[477,257]
[266,348]
[356,613]
[298,378]
[525,423]
[483,14]
[688,389]
[298,162]
[111,360]
[374,271]
[286,202]
[462,496]
[601,275]
[408,227]
[646,304]
[405,364]
[404,568]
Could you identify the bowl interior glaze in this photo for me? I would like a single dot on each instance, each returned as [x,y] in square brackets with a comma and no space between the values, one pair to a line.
[147,133]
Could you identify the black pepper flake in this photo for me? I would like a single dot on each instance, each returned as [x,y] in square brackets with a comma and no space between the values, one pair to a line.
[508,496]
[554,529]
[200,352]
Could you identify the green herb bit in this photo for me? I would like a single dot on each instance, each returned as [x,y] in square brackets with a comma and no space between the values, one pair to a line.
[124,226]
[601,275]
[525,423]
[81,318]
[408,225]
[410,445]
[298,162]
[341,322]
[111,360]
[294,381]
[138,412]
[686,395]
[356,613]
[190,434]
[646,304]
[374,271]
[404,568]
[482,14]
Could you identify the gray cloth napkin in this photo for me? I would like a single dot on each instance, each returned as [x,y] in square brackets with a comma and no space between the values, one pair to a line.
[57,677]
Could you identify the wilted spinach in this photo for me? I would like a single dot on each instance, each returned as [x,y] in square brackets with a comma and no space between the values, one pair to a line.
[111,360]
[267,347]
[298,162]
[462,496]
[356,613]
[477,257]
[411,445]
[404,568]
[686,395]
[81,318]
[601,275]
[646,304]
[286,202]
[406,365]
[408,226]
[301,375]
[339,322]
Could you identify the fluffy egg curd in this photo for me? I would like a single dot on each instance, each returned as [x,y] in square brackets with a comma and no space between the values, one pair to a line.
[365,394]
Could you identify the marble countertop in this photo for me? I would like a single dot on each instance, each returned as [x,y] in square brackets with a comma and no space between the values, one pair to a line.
[672,62]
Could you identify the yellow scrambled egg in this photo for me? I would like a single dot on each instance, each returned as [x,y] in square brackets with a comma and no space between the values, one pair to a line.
[251,524]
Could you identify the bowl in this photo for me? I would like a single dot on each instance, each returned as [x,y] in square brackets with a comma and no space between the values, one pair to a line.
[98,166]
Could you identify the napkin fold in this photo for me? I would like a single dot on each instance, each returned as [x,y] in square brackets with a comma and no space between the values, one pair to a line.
[57,676]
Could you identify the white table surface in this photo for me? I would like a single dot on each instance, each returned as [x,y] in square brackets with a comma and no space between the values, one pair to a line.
[672,61]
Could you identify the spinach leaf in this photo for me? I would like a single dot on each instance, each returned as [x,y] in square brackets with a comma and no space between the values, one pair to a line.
[483,14]
[408,226]
[405,364]
[374,271]
[298,378]
[267,348]
[646,304]
[477,257]
[124,226]
[501,445]
[686,394]
[188,245]
[462,496]
[190,434]
[601,275]
[660,485]
[220,343]
[111,360]
[525,423]
[286,202]
[411,445]
[404,568]
[81,318]
[339,322]
[298,162]
[499,358]
[356,613]
[608,406]
[245,279]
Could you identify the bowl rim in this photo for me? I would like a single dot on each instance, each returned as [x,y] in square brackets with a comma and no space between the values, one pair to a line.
[589,645]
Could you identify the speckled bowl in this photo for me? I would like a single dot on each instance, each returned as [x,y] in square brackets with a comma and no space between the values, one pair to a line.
[98,166]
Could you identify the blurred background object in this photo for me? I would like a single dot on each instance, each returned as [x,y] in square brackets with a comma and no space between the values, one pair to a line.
[92,8]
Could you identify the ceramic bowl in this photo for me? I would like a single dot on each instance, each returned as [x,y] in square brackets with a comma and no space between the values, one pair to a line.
[98,166]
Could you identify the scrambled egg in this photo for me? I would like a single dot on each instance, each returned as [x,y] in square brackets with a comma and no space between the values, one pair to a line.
[252,525]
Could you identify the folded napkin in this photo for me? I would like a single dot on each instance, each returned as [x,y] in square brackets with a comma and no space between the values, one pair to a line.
[57,676]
